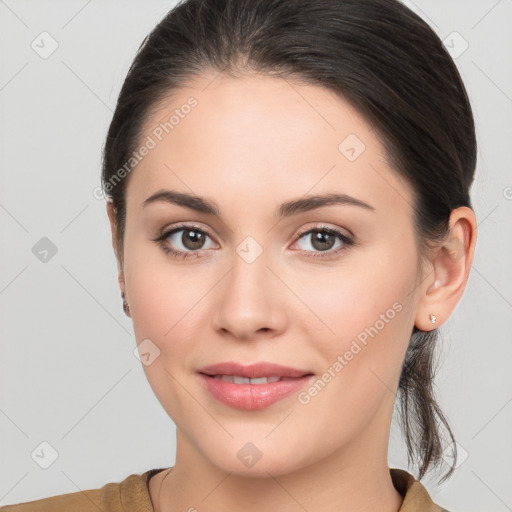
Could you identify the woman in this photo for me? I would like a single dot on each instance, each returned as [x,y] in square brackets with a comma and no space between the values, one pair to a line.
[288,187]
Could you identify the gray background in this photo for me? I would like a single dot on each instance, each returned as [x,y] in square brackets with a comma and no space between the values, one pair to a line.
[68,375]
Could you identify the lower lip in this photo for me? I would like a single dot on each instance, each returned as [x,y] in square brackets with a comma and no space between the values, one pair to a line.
[251,397]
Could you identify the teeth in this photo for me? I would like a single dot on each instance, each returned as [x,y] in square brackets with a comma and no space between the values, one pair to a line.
[245,380]
[263,380]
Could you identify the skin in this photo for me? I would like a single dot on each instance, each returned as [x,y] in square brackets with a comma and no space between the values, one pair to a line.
[251,144]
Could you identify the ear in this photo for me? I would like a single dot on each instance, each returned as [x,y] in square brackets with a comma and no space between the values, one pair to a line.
[111,212]
[448,272]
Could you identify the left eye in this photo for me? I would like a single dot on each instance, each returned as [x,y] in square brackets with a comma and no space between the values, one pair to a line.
[324,240]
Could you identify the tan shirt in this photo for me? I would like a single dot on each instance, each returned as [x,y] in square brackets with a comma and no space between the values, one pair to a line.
[132,495]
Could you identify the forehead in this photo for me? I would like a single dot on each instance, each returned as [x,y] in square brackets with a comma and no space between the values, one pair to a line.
[261,136]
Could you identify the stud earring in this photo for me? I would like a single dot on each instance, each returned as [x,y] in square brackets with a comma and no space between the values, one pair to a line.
[126,306]
[433,318]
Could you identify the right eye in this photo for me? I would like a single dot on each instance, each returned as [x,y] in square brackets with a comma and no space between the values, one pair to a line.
[183,241]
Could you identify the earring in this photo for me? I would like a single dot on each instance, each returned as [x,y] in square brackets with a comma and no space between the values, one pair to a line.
[432,318]
[126,306]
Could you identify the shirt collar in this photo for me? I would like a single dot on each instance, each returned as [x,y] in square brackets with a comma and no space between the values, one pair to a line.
[416,497]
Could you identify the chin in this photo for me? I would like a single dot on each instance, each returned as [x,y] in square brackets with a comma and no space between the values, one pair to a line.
[258,459]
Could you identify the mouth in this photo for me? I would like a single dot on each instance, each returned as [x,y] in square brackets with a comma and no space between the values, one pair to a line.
[253,371]
[238,379]
[255,386]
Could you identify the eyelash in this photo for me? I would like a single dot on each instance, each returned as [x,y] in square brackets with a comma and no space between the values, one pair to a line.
[160,240]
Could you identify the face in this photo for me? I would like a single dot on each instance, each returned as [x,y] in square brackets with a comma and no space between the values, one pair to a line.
[325,288]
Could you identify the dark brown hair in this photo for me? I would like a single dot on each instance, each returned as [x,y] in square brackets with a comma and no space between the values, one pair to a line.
[377,55]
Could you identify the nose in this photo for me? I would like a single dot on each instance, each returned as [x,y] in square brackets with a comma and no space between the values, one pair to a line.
[250,302]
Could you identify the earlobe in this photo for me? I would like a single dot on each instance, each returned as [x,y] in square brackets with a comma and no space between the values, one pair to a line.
[450,266]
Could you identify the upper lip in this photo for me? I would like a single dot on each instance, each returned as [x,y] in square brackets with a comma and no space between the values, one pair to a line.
[253,371]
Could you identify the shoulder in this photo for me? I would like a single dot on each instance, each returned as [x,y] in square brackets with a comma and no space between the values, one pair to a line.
[416,496]
[131,494]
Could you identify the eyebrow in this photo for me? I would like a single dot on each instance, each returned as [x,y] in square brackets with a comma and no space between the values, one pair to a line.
[286,209]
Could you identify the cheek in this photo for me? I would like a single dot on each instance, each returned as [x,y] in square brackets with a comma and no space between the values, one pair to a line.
[163,293]
[357,294]
[363,312]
